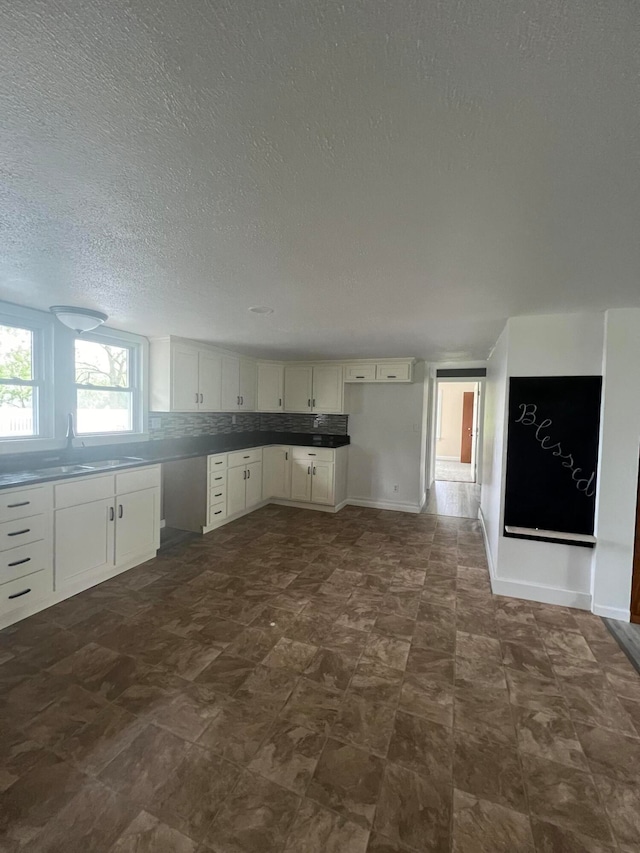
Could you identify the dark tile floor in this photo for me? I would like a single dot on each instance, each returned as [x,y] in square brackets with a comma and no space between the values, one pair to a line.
[299,682]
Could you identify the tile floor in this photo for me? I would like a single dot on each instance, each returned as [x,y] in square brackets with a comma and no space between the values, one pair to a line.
[300,682]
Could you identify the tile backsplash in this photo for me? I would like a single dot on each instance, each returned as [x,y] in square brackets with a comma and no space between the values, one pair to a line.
[179,424]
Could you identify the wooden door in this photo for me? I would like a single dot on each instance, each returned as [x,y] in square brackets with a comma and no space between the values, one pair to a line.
[210,381]
[236,489]
[184,379]
[230,396]
[635,582]
[327,389]
[137,526]
[270,387]
[322,483]
[467,426]
[297,389]
[84,537]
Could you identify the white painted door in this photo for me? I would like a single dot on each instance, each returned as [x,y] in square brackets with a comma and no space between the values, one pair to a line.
[209,381]
[236,490]
[137,525]
[253,494]
[297,389]
[230,401]
[247,387]
[184,379]
[84,537]
[300,480]
[270,387]
[327,389]
[322,488]
[276,472]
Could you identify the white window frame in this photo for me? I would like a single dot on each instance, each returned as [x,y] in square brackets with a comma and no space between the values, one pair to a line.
[138,371]
[41,327]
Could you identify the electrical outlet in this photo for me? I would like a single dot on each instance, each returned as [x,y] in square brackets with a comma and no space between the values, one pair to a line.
[396,487]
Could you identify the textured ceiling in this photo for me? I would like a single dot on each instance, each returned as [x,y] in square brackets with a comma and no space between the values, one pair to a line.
[391,176]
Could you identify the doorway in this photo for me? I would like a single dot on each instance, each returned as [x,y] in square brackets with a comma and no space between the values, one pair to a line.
[456,437]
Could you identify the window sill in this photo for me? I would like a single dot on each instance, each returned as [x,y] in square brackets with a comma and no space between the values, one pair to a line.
[26,445]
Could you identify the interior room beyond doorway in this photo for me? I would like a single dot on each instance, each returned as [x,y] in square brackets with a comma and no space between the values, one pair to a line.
[456,431]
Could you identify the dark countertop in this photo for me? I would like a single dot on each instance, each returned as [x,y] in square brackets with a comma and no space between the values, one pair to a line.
[26,468]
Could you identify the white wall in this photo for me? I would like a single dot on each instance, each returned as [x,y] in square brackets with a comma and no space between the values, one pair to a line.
[618,465]
[450,394]
[548,345]
[386,425]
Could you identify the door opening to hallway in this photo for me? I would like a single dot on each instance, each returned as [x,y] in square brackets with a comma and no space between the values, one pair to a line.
[456,431]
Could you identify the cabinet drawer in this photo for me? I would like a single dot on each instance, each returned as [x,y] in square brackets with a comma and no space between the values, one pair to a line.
[24,591]
[141,478]
[22,531]
[217,495]
[217,512]
[400,372]
[218,462]
[360,373]
[245,457]
[320,454]
[24,503]
[25,560]
[217,478]
[83,491]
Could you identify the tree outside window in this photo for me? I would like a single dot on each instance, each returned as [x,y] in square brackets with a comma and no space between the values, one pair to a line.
[18,385]
[103,387]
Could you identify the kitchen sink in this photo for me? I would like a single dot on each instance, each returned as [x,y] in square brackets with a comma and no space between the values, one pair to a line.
[63,469]
[114,463]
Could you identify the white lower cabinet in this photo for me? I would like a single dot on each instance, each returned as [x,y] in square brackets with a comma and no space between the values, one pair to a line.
[244,487]
[301,480]
[95,538]
[312,481]
[276,472]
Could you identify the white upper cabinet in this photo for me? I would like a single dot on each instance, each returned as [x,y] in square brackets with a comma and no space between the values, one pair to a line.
[184,377]
[298,382]
[230,383]
[270,387]
[247,387]
[313,388]
[392,370]
[327,394]
[238,384]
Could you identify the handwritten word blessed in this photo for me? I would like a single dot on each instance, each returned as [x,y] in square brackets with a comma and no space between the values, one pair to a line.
[528,417]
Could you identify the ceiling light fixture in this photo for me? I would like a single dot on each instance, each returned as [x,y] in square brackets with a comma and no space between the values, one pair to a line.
[261,309]
[79,319]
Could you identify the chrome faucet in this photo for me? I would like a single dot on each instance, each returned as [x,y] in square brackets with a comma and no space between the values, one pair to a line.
[71,432]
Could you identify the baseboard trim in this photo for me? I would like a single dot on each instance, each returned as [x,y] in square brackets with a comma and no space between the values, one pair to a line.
[617,613]
[487,549]
[543,594]
[394,507]
[303,505]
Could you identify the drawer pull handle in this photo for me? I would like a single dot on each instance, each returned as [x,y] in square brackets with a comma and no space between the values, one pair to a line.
[217,478]
[19,562]
[359,377]
[20,532]
[311,454]
[22,503]
[218,512]
[391,375]
[18,594]
[247,457]
[218,495]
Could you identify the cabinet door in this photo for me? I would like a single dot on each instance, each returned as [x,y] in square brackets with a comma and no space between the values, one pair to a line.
[276,472]
[322,489]
[297,389]
[247,386]
[184,379]
[253,494]
[236,483]
[300,480]
[137,525]
[84,537]
[230,384]
[270,387]
[209,381]
[327,389]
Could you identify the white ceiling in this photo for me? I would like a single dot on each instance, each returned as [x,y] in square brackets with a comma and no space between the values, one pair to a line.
[393,177]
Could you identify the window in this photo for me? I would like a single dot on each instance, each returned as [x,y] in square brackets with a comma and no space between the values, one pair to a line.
[107,395]
[20,382]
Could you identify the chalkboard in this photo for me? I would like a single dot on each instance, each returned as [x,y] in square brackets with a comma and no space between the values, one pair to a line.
[552,452]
